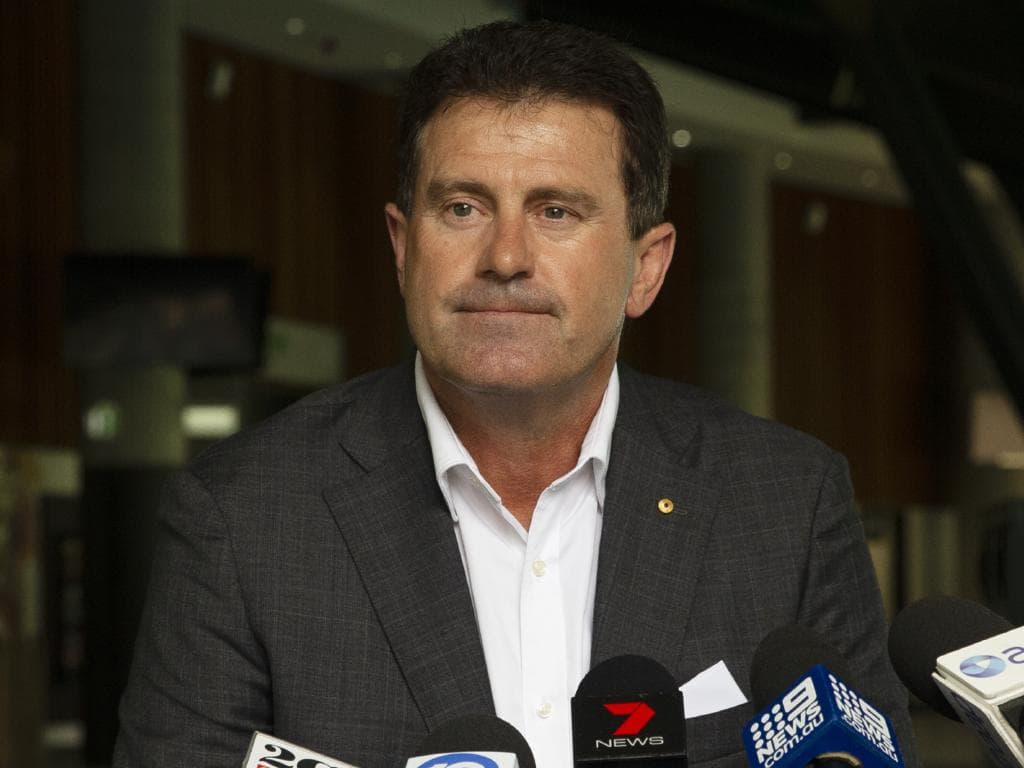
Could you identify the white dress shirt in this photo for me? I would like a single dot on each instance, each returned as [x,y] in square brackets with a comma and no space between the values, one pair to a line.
[533,591]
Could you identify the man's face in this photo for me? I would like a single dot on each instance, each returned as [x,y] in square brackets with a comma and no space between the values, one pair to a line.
[515,263]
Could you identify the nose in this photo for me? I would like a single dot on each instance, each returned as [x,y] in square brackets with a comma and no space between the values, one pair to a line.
[507,254]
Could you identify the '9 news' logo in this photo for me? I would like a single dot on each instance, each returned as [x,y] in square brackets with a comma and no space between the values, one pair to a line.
[863,718]
[459,760]
[787,723]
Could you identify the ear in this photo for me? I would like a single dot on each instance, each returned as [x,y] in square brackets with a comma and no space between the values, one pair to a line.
[397,228]
[653,255]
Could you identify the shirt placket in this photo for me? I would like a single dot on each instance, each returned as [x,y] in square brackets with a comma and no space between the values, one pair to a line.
[543,631]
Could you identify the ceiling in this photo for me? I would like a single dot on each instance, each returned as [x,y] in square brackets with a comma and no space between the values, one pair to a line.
[969,53]
[712,96]
[762,76]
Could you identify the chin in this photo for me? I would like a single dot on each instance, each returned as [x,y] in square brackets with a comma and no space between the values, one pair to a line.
[501,384]
[499,377]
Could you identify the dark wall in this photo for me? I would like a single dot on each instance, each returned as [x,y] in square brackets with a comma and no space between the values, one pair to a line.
[37,395]
[864,342]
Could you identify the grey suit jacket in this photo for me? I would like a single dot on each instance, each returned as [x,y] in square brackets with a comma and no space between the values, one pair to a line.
[308,581]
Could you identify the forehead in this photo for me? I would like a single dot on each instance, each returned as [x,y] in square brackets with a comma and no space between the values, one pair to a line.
[541,129]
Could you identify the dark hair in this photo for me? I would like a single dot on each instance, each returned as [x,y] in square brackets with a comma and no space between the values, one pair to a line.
[537,60]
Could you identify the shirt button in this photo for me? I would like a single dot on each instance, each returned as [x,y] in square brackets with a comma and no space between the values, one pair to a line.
[539,568]
[544,710]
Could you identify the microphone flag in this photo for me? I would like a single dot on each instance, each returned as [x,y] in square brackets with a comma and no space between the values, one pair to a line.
[267,751]
[610,730]
[820,716]
[984,682]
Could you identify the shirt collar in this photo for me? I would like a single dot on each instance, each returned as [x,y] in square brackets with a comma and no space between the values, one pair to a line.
[449,452]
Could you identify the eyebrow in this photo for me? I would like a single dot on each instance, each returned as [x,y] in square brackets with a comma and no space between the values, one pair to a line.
[438,189]
[577,198]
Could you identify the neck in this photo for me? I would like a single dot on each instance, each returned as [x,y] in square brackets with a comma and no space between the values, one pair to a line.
[522,443]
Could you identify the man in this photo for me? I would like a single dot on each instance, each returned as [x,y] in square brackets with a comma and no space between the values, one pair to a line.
[472,532]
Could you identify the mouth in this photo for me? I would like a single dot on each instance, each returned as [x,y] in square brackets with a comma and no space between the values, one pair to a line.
[522,303]
[503,310]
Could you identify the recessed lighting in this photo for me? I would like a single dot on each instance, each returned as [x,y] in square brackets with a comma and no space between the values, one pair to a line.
[783,161]
[682,138]
[815,218]
[328,45]
[295,26]
[219,80]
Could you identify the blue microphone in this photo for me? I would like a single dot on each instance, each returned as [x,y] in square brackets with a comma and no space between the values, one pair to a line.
[808,713]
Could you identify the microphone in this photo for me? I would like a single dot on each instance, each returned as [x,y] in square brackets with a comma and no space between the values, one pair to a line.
[808,714]
[473,741]
[268,751]
[966,663]
[628,713]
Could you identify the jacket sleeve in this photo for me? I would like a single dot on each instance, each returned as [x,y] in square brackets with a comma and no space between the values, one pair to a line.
[841,599]
[199,683]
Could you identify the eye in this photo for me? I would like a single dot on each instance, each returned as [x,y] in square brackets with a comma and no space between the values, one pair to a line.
[554,212]
[461,210]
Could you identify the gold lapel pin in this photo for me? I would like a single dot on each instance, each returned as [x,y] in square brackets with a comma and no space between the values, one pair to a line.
[665,506]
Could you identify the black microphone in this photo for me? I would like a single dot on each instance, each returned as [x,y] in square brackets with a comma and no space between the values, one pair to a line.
[808,714]
[473,741]
[628,713]
[932,627]
[966,663]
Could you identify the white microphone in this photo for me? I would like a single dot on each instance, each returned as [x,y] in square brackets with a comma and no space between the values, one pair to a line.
[976,660]
[267,751]
[473,741]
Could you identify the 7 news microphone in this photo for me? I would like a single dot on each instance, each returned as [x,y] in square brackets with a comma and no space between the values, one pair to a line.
[807,711]
[628,713]
[966,663]
[472,741]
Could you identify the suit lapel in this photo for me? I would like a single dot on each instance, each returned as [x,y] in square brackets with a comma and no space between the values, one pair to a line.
[399,533]
[650,560]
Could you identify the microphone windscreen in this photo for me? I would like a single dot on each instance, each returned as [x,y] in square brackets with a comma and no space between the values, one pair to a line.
[932,627]
[786,653]
[478,733]
[626,675]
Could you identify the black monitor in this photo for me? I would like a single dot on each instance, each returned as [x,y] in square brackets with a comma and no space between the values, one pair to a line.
[135,309]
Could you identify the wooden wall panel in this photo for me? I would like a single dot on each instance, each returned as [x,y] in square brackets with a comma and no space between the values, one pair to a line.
[294,170]
[37,395]
[862,339]
[663,341]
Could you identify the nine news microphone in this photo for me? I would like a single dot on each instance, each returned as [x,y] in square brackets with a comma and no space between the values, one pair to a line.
[473,741]
[628,713]
[267,751]
[807,713]
[967,663]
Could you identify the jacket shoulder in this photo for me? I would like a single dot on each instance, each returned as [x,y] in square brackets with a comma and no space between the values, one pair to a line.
[687,416]
[309,434]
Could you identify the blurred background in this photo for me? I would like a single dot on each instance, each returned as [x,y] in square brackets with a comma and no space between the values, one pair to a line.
[192,236]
